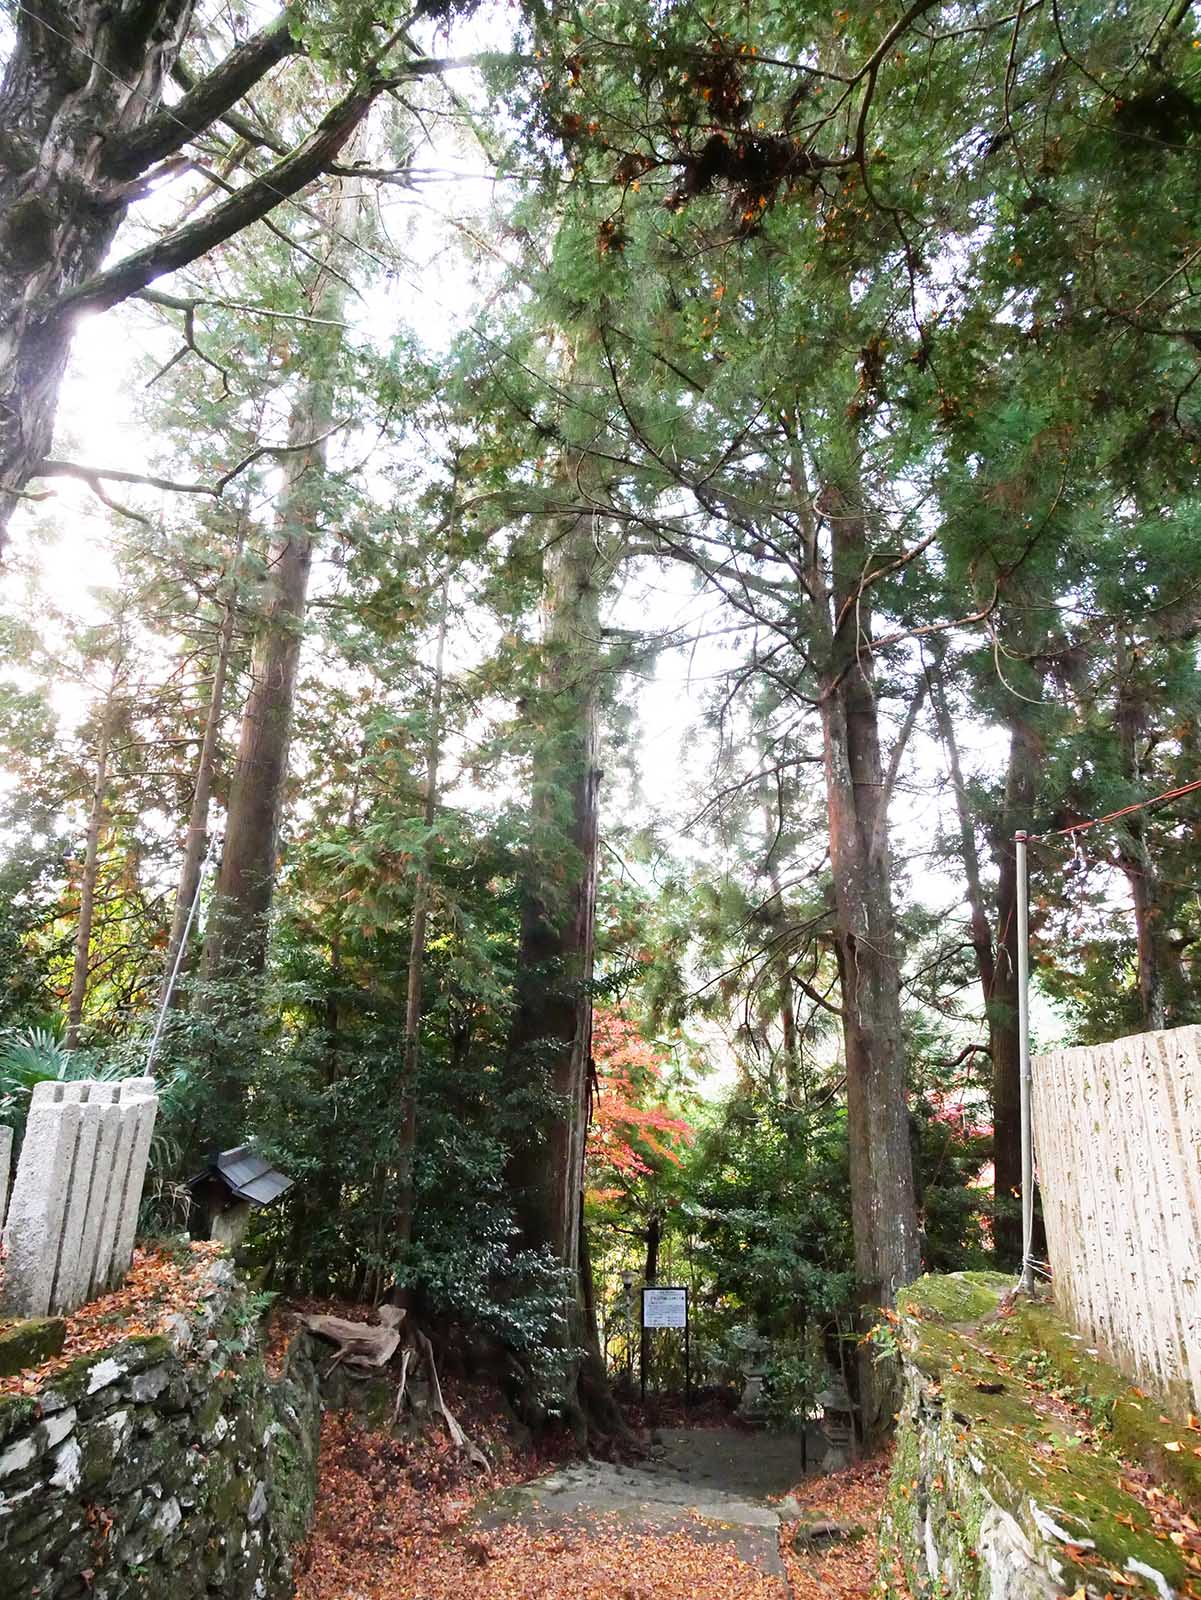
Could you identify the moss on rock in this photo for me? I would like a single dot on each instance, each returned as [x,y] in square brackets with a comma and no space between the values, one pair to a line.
[161,1469]
[26,1343]
[1012,1473]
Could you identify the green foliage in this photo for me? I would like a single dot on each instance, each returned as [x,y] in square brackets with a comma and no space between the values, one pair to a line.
[762,276]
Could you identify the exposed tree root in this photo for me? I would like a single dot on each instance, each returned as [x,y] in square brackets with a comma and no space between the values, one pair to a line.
[360,1344]
[365,1346]
[458,1438]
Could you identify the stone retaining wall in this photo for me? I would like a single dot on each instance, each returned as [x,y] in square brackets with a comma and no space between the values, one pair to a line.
[168,1467]
[1001,1490]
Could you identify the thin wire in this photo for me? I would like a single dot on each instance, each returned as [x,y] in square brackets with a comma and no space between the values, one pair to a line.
[1111,816]
[180,953]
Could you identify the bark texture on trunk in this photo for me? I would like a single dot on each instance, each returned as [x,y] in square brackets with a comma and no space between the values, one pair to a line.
[237,936]
[236,940]
[407,1137]
[883,1197]
[202,790]
[81,119]
[552,1024]
[887,1252]
[550,1045]
[62,100]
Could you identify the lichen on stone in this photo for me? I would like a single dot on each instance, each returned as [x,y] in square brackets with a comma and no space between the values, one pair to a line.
[114,1470]
[1006,1480]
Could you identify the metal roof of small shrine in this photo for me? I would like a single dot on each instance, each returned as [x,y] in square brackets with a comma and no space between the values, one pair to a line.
[246,1175]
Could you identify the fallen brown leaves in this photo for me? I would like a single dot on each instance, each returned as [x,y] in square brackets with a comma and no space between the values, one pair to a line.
[845,1569]
[394,1522]
[159,1282]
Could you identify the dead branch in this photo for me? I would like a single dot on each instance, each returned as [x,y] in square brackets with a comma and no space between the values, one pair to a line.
[176,302]
[360,1344]
[95,477]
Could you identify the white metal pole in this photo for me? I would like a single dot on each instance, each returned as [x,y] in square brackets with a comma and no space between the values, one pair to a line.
[1026,1282]
[179,955]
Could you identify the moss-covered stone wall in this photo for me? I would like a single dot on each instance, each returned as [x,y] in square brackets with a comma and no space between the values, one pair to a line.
[170,1466]
[1026,1467]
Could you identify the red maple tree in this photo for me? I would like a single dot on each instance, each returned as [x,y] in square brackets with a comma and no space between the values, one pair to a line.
[632,1125]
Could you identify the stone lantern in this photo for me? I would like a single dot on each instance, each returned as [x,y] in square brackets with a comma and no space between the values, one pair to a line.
[837,1424]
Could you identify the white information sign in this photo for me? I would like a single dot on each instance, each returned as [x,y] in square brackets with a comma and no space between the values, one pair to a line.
[665,1308]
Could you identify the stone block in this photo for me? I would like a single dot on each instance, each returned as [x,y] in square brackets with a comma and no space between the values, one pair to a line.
[63,1292]
[110,1212]
[30,1342]
[68,1464]
[18,1456]
[139,1095]
[6,1156]
[125,1430]
[33,1230]
[108,1121]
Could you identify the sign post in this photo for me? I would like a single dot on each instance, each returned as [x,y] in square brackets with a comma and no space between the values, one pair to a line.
[667,1307]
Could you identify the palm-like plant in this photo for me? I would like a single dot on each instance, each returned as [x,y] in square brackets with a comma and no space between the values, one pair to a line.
[29,1056]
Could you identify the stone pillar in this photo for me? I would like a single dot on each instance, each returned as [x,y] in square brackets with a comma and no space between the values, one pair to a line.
[74,1209]
[108,1123]
[138,1094]
[6,1155]
[66,1277]
[129,1113]
[33,1231]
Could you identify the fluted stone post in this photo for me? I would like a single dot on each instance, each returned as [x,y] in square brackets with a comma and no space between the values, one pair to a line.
[138,1095]
[6,1156]
[71,1223]
[33,1230]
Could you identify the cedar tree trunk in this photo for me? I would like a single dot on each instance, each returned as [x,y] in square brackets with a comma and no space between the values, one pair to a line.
[407,1141]
[551,1038]
[236,942]
[883,1201]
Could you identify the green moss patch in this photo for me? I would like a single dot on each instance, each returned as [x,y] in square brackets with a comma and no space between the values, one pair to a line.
[27,1343]
[956,1297]
[1137,1422]
[1051,1434]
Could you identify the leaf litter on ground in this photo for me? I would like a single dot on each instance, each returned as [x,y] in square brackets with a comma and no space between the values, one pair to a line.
[163,1281]
[397,1520]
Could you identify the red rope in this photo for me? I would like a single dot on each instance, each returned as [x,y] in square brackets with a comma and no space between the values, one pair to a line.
[1078,827]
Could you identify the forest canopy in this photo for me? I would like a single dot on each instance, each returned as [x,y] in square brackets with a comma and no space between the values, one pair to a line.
[549,551]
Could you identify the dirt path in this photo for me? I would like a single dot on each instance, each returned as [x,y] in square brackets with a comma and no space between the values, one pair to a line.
[713,1484]
[407,1519]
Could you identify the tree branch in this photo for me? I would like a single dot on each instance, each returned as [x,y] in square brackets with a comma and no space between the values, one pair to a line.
[205,103]
[185,303]
[95,476]
[257,137]
[252,201]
